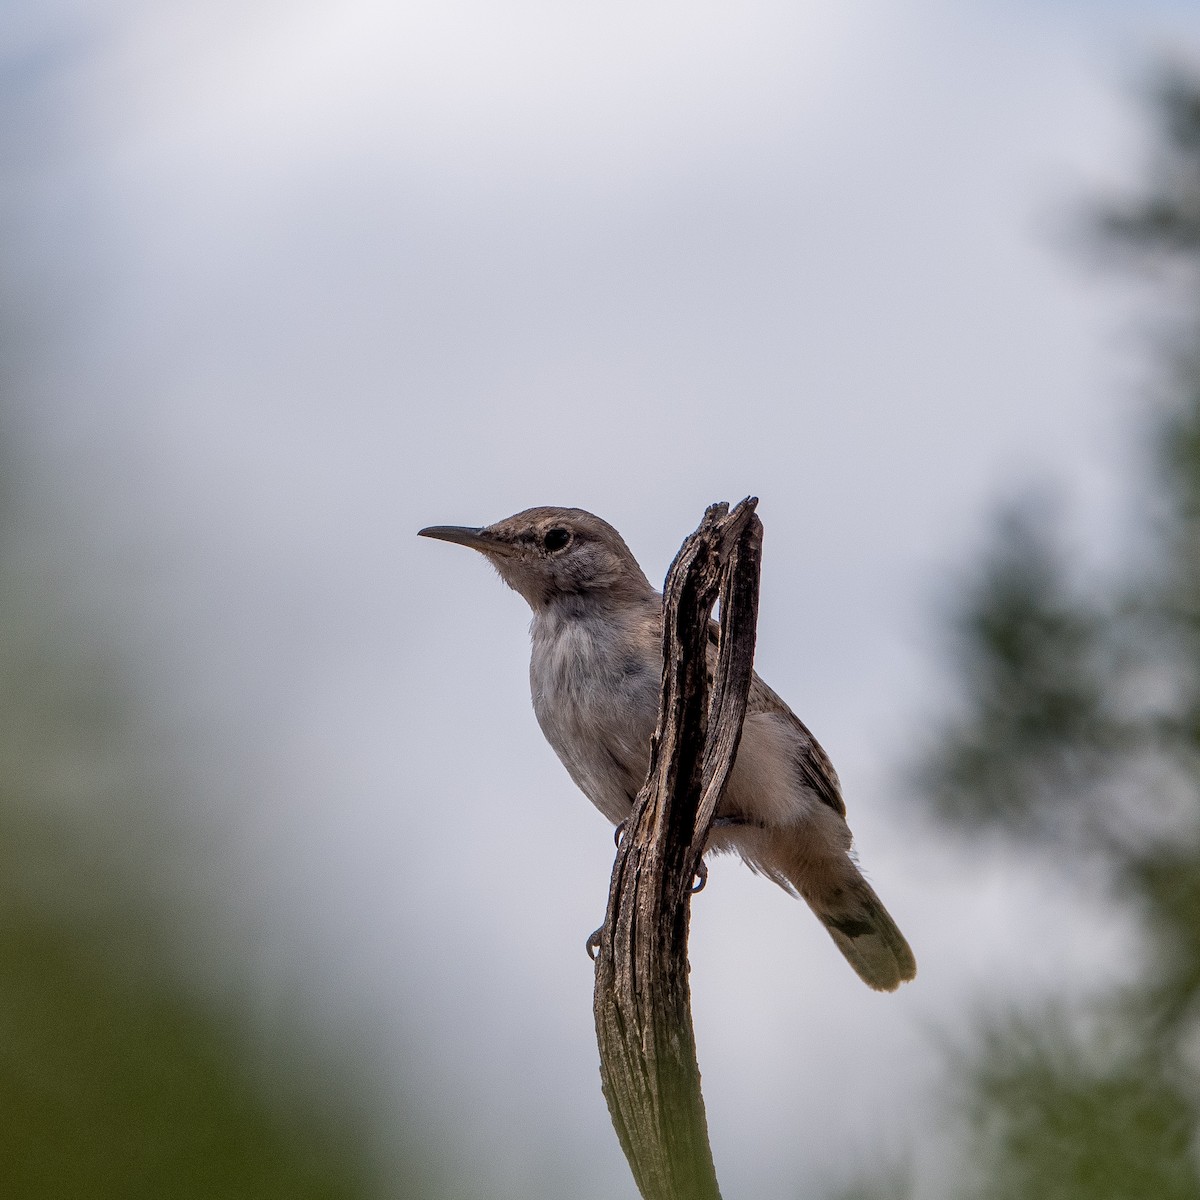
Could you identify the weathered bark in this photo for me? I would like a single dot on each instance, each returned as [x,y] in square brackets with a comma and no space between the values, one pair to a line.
[642,1001]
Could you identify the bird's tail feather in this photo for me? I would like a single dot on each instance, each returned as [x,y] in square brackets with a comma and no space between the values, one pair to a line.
[846,904]
[863,930]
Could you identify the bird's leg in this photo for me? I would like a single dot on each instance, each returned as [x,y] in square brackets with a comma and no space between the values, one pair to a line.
[592,945]
[734,823]
[718,823]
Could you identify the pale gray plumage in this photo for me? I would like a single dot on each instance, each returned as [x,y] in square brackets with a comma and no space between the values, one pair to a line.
[595,673]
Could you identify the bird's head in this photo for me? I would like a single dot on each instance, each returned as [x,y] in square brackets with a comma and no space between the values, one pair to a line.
[552,555]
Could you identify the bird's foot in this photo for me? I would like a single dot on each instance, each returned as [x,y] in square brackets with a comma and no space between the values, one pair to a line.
[592,945]
[619,833]
[701,877]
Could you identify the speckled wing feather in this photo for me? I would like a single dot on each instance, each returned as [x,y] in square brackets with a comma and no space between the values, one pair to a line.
[812,763]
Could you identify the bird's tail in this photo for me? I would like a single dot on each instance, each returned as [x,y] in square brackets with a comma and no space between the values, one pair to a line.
[846,904]
[863,930]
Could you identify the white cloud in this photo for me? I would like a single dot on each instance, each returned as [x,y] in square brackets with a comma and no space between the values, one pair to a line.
[594,91]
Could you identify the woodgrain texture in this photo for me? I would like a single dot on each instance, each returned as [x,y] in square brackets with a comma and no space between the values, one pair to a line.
[643,1014]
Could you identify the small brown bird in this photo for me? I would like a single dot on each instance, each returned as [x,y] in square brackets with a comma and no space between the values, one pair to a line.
[595,674]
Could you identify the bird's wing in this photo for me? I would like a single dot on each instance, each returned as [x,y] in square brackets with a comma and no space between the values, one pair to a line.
[812,763]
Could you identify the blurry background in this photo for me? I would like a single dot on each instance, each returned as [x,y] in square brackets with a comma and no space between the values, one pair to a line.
[293,895]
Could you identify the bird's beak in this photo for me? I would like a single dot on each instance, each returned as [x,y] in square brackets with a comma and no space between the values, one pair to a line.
[466,535]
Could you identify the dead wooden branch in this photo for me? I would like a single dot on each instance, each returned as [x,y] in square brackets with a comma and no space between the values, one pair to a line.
[642,999]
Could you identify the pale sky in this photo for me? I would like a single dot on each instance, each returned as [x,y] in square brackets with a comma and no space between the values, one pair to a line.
[318,275]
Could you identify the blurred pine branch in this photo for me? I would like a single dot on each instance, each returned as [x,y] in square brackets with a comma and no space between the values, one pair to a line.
[1076,733]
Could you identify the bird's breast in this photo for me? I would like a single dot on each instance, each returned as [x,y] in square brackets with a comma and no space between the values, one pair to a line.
[595,693]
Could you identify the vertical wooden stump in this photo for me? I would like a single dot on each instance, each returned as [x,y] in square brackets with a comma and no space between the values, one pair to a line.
[642,1000]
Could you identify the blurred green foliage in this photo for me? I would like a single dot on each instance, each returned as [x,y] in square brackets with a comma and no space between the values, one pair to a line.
[1037,724]
[116,1079]
[1077,735]
[112,1086]
[1063,1113]
[127,1069]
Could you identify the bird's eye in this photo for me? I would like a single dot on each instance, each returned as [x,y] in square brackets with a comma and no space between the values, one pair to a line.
[556,539]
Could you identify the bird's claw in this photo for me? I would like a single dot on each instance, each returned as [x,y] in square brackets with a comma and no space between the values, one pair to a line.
[592,945]
[619,833]
[701,877]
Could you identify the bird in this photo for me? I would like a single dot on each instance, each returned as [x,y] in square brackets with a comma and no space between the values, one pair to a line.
[595,672]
